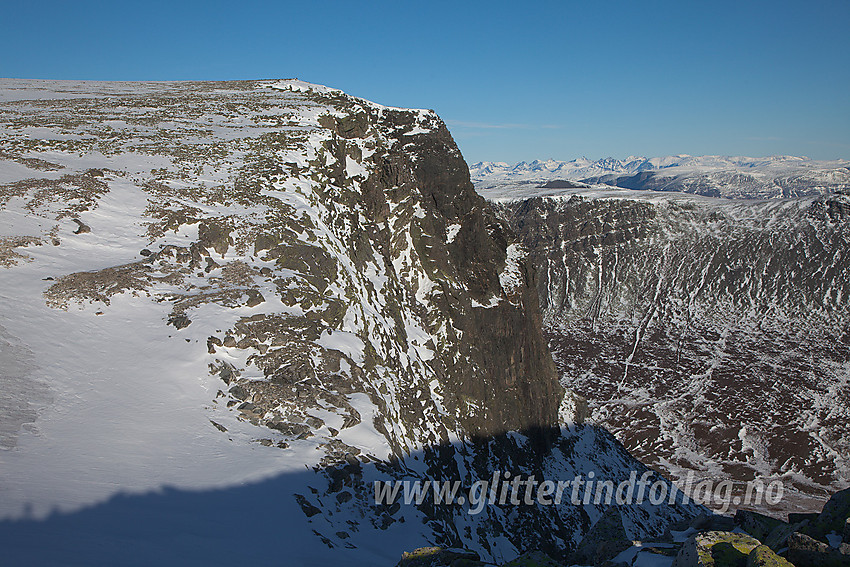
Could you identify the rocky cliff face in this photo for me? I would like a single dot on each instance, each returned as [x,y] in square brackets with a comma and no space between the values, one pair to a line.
[248,278]
[709,335]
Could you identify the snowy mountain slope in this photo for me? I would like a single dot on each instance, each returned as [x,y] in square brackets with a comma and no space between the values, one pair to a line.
[206,285]
[709,335]
[715,176]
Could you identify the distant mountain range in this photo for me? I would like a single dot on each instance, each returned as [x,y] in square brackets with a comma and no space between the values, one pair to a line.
[715,176]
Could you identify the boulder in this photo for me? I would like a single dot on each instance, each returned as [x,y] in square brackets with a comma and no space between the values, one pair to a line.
[215,234]
[716,549]
[778,537]
[82,228]
[757,525]
[796,518]
[805,551]
[833,518]
[254,298]
[713,522]
[763,556]
[440,557]
[604,541]
[179,320]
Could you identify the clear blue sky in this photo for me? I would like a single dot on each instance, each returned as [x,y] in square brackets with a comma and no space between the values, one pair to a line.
[514,80]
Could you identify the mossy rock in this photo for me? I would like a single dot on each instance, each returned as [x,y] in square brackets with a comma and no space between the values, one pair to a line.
[716,549]
[439,557]
[763,556]
[726,553]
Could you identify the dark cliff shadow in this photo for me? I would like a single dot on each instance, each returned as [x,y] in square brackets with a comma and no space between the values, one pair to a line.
[243,524]
[328,515]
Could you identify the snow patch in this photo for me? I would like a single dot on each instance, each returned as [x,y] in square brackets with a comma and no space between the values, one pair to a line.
[451,232]
[511,277]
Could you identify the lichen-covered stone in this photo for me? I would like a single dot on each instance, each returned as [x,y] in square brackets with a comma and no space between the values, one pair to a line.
[439,557]
[763,556]
[716,549]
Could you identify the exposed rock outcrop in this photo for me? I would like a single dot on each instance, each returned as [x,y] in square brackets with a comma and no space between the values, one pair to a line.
[716,549]
[805,551]
[763,556]
[438,557]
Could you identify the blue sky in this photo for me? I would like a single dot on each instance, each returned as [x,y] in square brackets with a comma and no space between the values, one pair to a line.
[513,80]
